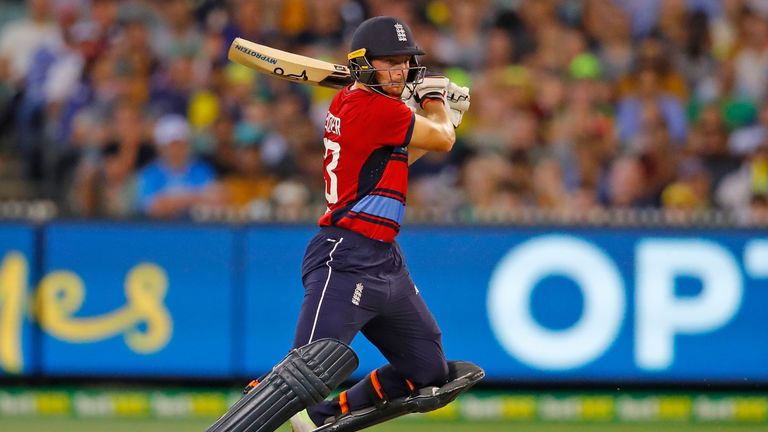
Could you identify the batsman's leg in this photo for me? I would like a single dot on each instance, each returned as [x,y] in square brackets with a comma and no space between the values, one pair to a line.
[418,378]
[306,376]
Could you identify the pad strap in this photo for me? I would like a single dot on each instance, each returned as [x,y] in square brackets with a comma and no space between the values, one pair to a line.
[375,390]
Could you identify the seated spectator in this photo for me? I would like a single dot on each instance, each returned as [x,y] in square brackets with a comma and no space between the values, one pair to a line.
[739,189]
[690,190]
[548,184]
[20,39]
[105,171]
[745,140]
[711,144]
[627,185]
[750,62]
[115,187]
[758,209]
[648,97]
[250,183]
[176,182]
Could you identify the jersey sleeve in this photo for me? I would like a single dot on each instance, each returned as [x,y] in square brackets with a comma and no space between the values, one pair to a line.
[391,122]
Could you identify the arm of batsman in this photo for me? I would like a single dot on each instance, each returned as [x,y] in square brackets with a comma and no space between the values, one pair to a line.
[458,102]
[432,87]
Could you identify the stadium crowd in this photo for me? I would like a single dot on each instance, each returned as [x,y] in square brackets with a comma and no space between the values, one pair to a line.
[125,108]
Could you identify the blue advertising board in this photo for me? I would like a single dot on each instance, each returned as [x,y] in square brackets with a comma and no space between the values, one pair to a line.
[17,271]
[598,305]
[541,305]
[272,293]
[527,304]
[138,300]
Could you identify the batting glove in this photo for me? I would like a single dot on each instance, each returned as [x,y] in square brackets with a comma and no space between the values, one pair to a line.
[433,87]
[458,102]
[412,104]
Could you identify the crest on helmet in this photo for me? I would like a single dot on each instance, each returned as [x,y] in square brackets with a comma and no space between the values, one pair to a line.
[401,36]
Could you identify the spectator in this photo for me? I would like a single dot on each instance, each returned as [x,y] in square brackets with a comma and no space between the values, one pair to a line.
[609,25]
[548,184]
[489,188]
[175,183]
[249,184]
[646,102]
[751,59]
[743,141]
[171,92]
[464,45]
[758,209]
[21,39]
[644,14]
[740,189]
[627,184]
[691,189]
[112,191]
[712,144]
[105,179]
[54,72]
[223,135]
[178,35]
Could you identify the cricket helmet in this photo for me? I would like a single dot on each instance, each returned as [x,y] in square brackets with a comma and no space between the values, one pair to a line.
[383,36]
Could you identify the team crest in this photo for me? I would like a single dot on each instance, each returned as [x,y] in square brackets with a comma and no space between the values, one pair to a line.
[358,294]
[401,33]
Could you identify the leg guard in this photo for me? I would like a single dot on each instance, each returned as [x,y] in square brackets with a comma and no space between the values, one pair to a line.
[463,376]
[306,376]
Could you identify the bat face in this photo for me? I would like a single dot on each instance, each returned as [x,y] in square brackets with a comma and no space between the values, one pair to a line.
[288,66]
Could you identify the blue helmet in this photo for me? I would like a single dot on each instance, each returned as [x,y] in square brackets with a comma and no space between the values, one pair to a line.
[383,36]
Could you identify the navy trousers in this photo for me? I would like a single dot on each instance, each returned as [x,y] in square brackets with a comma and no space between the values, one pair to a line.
[355,284]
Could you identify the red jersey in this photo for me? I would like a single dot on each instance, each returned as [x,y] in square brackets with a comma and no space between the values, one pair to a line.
[366,163]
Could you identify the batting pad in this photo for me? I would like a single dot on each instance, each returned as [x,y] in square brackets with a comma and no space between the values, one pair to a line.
[306,376]
[463,376]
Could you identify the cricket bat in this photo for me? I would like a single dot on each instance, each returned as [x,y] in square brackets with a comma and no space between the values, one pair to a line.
[288,66]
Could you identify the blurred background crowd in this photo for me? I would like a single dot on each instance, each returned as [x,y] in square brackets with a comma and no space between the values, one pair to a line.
[129,108]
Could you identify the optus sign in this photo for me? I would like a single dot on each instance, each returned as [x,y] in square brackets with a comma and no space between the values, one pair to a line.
[644,298]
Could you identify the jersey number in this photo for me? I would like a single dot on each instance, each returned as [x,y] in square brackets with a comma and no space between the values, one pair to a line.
[332,183]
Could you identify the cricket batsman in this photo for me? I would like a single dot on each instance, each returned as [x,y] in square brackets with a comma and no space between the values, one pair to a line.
[354,273]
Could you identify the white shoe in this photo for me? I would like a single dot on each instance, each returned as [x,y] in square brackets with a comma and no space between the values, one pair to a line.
[301,422]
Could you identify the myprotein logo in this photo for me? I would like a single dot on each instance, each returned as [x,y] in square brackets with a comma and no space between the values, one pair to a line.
[661,313]
[255,54]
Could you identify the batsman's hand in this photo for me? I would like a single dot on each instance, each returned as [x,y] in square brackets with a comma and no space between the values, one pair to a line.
[433,87]
[458,102]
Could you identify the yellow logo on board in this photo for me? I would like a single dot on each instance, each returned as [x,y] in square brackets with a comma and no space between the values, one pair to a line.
[144,320]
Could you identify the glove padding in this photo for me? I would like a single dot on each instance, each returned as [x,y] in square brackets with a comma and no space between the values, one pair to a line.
[412,104]
[433,87]
[458,102]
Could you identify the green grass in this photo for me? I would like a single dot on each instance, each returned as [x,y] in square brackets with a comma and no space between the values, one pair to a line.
[37,424]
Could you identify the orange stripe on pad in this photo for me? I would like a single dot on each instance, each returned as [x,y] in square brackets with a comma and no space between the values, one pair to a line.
[251,385]
[411,387]
[377,384]
[343,402]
